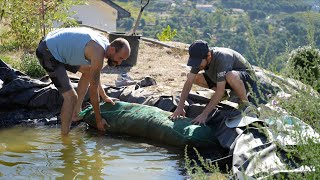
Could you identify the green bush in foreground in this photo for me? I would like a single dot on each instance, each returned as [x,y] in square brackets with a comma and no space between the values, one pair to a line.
[304,65]
[305,107]
[29,64]
[196,171]
[11,62]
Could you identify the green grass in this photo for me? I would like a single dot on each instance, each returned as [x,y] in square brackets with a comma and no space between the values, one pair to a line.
[8,60]
[29,64]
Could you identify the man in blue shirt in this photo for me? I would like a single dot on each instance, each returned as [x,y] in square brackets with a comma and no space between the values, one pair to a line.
[83,50]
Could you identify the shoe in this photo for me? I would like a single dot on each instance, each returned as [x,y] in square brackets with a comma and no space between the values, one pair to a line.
[124,76]
[124,80]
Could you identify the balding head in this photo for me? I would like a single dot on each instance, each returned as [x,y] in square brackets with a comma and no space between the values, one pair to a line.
[120,50]
[121,44]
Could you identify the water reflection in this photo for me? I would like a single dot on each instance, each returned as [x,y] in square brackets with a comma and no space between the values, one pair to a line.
[41,153]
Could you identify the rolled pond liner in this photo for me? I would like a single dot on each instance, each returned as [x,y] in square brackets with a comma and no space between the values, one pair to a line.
[134,41]
[152,123]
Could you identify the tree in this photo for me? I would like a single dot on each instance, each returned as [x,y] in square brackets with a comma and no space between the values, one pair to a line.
[26,19]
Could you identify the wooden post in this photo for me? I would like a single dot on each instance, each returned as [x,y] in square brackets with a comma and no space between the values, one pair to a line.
[43,20]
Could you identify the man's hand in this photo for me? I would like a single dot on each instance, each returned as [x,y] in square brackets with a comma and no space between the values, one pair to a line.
[178,113]
[101,124]
[200,119]
[108,100]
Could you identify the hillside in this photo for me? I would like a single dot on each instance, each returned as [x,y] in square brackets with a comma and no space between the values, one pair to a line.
[264,31]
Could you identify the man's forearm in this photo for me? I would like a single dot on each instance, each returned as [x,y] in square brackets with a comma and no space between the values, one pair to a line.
[102,93]
[215,99]
[184,94]
[94,99]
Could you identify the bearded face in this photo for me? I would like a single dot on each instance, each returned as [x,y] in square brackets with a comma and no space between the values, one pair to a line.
[112,62]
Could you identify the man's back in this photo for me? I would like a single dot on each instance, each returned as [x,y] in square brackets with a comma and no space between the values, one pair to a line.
[67,45]
[225,60]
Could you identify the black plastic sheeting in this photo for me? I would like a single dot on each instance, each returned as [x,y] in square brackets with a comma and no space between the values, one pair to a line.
[23,99]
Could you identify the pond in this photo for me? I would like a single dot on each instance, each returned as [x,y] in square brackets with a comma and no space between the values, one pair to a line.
[39,152]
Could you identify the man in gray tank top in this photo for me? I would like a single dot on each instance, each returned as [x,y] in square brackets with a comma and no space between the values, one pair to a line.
[223,69]
[83,50]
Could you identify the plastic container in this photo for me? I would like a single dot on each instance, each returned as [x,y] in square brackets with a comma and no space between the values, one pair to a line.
[134,41]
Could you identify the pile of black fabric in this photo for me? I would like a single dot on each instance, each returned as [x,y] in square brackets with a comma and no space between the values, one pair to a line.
[25,99]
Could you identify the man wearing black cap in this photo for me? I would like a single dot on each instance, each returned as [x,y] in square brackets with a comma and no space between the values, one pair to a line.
[223,68]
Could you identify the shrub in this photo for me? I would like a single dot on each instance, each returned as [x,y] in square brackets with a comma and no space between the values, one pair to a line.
[8,60]
[196,171]
[167,34]
[303,64]
[305,107]
[25,22]
[29,64]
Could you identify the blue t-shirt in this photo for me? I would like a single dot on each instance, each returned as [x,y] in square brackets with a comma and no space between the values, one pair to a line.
[67,45]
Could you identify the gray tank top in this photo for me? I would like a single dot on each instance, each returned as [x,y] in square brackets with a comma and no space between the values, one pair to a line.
[67,45]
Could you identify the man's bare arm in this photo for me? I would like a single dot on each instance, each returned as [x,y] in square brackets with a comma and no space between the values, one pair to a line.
[95,53]
[215,99]
[184,94]
[104,96]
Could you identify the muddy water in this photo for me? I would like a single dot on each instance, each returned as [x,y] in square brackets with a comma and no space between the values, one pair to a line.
[40,153]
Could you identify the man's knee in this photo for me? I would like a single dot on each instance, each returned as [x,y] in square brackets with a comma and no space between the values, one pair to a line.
[84,69]
[232,77]
[70,96]
[200,81]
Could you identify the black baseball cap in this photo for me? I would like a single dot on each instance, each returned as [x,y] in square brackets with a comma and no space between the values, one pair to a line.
[197,51]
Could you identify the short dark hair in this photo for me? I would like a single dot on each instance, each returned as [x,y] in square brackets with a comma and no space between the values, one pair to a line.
[118,44]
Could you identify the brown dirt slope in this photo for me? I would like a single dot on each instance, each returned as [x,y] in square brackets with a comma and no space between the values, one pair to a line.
[166,65]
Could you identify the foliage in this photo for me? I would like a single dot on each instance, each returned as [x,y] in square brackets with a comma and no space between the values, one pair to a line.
[167,34]
[274,25]
[306,106]
[29,64]
[126,23]
[304,65]
[134,9]
[196,171]
[26,22]
[8,60]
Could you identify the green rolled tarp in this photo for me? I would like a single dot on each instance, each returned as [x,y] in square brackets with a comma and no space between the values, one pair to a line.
[152,123]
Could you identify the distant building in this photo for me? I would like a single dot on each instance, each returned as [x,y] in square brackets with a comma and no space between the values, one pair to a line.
[167,1]
[237,11]
[205,7]
[102,14]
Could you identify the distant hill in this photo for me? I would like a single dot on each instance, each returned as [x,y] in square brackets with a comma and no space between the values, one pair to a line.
[268,6]
[264,31]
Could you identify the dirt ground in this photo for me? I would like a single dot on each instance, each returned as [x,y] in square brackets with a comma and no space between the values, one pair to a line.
[166,65]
